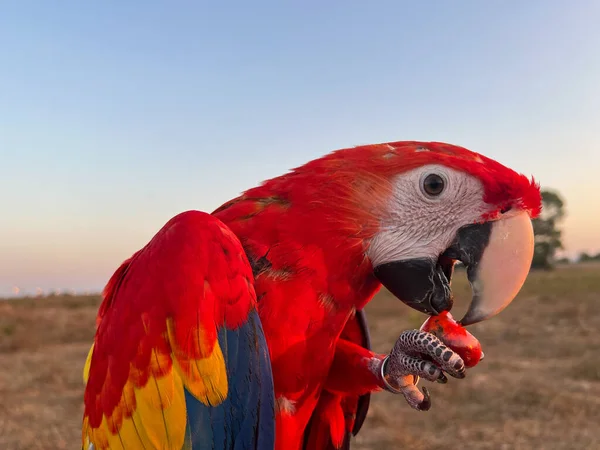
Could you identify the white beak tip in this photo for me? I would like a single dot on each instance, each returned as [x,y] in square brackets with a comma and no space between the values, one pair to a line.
[502,269]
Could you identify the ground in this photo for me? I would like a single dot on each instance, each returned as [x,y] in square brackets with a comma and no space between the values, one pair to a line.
[538,387]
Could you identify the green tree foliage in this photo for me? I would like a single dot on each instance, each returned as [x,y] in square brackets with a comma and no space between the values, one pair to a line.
[547,232]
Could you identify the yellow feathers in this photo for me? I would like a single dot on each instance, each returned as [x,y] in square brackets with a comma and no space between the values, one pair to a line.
[86,366]
[205,378]
[161,412]
[158,420]
[154,415]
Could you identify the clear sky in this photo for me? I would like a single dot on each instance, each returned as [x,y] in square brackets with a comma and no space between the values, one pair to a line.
[115,116]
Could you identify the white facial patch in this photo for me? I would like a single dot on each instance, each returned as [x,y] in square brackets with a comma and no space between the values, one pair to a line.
[419,225]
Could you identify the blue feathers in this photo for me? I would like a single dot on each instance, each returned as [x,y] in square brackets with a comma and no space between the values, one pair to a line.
[246,419]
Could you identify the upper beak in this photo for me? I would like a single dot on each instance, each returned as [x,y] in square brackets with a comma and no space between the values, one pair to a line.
[497,256]
[498,273]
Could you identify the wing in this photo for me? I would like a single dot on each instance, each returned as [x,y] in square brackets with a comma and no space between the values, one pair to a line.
[179,360]
[336,418]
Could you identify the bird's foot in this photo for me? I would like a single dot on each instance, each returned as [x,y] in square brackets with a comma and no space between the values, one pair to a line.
[418,354]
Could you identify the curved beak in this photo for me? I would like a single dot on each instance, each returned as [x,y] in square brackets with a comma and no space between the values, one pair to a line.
[497,256]
[497,275]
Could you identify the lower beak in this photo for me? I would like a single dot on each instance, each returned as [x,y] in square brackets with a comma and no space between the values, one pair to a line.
[497,256]
[420,283]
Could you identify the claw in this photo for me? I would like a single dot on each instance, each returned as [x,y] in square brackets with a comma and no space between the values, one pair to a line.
[418,400]
[426,402]
[407,386]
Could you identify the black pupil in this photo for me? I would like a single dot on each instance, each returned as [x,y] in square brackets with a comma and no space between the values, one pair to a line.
[434,184]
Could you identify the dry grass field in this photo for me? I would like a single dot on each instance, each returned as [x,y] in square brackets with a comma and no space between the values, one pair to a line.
[538,387]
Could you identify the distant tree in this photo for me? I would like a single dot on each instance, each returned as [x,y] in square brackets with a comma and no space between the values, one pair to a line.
[586,257]
[548,235]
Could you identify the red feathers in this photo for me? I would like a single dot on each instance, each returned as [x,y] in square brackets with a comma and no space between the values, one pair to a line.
[166,303]
[503,187]
[364,166]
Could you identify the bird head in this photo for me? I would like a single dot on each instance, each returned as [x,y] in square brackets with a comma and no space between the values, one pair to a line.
[424,206]
[454,205]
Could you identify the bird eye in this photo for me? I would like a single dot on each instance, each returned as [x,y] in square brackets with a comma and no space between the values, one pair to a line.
[433,184]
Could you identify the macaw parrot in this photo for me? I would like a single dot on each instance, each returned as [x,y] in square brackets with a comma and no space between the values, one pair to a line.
[245,328]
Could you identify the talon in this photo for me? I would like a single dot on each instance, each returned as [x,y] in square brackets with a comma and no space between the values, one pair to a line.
[460,370]
[426,402]
[442,379]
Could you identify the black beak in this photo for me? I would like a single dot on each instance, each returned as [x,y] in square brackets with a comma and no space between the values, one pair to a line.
[423,284]
[497,256]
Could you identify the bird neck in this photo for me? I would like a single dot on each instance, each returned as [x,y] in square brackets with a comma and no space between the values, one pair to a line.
[316,245]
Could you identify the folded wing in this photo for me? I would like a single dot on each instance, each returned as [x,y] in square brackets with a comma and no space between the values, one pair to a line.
[179,360]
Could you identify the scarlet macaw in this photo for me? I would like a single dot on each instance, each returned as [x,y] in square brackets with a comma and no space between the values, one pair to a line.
[245,328]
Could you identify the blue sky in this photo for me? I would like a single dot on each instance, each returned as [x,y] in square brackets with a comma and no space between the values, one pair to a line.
[114,116]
